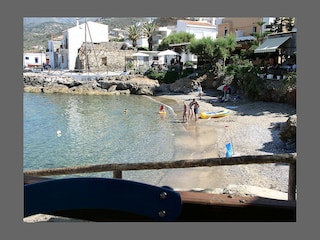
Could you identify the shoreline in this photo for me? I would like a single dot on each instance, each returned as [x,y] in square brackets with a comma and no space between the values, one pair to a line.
[251,128]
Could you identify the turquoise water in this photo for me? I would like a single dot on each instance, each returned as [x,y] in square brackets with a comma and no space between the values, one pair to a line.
[95,130]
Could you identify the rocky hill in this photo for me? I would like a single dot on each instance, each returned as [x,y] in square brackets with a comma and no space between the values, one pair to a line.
[37,31]
[36,35]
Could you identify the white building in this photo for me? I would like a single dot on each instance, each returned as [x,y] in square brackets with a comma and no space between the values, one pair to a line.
[198,28]
[268,21]
[73,38]
[53,55]
[142,42]
[162,33]
[34,59]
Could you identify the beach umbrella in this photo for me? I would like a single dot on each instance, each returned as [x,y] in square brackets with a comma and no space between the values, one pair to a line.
[168,53]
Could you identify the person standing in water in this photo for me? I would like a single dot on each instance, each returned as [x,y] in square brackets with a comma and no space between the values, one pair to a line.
[190,111]
[196,106]
[200,91]
[185,111]
[162,109]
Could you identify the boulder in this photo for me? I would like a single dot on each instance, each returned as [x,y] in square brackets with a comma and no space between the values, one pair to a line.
[125,84]
[288,131]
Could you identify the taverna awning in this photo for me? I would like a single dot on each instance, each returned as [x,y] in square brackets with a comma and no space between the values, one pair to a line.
[271,45]
[140,54]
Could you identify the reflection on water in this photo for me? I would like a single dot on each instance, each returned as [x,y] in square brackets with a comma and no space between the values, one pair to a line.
[95,130]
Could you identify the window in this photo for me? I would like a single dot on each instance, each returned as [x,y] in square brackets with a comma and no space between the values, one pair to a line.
[36,60]
[27,58]
[225,31]
[254,29]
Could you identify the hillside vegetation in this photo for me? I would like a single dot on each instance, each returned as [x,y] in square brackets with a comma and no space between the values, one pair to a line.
[37,35]
[37,31]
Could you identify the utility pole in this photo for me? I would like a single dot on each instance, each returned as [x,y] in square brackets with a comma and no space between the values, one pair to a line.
[41,67]
[85,43]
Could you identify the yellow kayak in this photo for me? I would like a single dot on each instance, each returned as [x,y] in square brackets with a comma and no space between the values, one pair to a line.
[221,113]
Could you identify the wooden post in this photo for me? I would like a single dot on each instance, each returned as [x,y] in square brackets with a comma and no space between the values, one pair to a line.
[117,174]
[292,181]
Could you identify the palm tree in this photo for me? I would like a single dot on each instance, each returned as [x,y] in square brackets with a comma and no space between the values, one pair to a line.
[133,34]
[260,36]
[148,30]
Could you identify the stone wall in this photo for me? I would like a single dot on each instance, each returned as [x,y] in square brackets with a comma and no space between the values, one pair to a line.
[104,56]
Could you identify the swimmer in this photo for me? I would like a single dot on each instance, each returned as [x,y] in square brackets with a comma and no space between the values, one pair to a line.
[162,109]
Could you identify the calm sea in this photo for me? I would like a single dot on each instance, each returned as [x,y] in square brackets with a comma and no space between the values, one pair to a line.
[62,130]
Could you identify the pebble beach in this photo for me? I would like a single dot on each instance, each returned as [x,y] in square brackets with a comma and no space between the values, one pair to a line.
[251,127]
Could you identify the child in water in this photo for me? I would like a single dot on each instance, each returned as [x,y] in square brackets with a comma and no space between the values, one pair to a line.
[162,109]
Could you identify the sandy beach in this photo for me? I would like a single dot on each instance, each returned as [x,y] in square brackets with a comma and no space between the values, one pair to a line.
[251,128]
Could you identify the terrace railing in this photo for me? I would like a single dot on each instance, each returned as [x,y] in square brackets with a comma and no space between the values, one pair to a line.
[117,169]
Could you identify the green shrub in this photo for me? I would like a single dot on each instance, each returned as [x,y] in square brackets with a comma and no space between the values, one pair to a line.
[168,76]
[188,64]
[155,74]
[290,79]
[129,65]
[171,76]
[186,72]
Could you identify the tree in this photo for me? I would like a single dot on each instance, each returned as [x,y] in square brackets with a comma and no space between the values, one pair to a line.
[202,48]
[260,36]
[148,30]
[180,37]
[213,50]
[281,24]
[133,34]
[227,46]
[289,23]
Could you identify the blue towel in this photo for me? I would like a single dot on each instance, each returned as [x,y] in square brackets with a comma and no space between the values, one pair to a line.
[229,150]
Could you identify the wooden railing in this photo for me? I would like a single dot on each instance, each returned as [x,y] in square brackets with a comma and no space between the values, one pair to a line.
[207,162]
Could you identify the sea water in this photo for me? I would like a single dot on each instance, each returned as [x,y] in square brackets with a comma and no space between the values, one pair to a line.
[63,130]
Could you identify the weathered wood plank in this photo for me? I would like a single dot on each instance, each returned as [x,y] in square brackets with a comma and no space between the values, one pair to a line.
[207,162]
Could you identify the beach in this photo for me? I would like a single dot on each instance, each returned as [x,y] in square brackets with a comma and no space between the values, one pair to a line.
[252,128]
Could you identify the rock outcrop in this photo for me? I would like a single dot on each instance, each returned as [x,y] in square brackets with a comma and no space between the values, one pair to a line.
[288,131]
[93,85]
